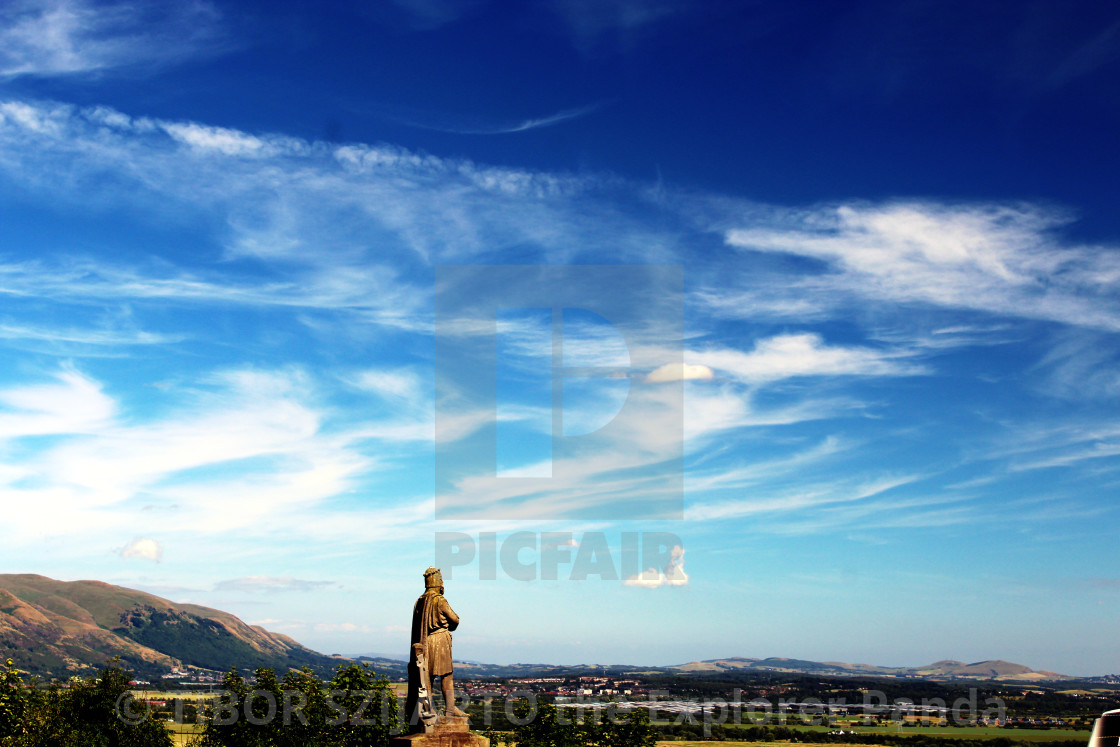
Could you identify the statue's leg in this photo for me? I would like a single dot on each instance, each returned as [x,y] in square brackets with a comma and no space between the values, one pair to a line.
[447,682]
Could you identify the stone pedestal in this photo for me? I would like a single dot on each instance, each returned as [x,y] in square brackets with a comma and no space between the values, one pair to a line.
[453,732]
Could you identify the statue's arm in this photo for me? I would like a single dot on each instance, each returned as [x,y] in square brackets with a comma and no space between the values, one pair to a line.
[452,618]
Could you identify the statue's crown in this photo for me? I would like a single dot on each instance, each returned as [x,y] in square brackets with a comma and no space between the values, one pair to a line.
[432,578]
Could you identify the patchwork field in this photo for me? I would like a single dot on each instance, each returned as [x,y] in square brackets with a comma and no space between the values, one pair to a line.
[959,732]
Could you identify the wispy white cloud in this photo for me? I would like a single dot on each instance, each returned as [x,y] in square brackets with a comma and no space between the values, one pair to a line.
[811,497]
[1088,57]
[78,336]
[376,213]
[921,335]
[227,142]
[404,411]
[399,385]
[887,513]
[1068,456]
[453,125]
[1000,259]
[702,480]
[631,467]
[65,37]
[254,415]
[340,227]
[679,372]
[343,627]
[547,121]
[711,410]
[1052,509]
[73,404]
[1080,364]
[1039,444]
[805,354]
[331,233]
[591,19]
[765,298]
[245,451]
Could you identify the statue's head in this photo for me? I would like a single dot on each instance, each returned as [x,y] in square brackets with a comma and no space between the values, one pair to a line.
[433,579]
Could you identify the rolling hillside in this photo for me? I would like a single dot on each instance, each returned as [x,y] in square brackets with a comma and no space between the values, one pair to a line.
[57,628]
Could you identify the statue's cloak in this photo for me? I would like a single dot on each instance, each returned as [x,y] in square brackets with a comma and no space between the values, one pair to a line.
[432,623]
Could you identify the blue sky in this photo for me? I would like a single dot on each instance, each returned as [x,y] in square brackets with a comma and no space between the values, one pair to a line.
[888,408]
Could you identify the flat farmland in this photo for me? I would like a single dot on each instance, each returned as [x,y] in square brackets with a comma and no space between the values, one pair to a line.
[188,696]
[182,733]
[980,732]
[956,732]
[701,743]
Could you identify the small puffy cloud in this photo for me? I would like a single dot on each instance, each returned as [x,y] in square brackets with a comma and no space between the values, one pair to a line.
[672,575]
[144,548]
[678,372]
[270,584]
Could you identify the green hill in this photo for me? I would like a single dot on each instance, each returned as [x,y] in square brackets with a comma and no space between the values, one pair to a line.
[58,628]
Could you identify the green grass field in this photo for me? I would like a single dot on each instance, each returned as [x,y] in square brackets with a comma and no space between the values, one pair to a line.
[185,695]
[694,743]
[964,732]
[959,732]
[182,733]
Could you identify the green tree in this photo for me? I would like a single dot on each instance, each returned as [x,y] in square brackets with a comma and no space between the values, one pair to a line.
[265,706]
[13,702]
[94,712]
[304,710]
[355,709]
[604,727]
[366,710]
[548,727]
[635,730]
[228,726]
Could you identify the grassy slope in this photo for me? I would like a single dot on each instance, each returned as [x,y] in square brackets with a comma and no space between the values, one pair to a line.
[56,627]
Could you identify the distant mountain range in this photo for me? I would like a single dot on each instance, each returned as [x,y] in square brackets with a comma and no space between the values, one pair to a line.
[57,628]
[736,666]
[946,669]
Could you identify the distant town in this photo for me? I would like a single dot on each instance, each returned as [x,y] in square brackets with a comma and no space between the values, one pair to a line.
[802,698]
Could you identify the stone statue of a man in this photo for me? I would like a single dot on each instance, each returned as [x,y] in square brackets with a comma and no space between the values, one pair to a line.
[432,623]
